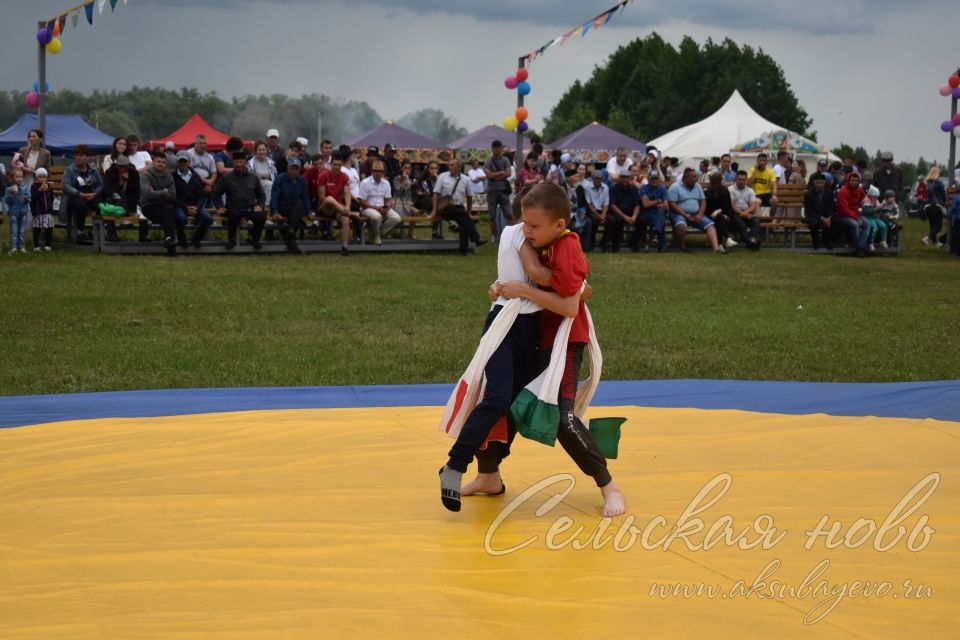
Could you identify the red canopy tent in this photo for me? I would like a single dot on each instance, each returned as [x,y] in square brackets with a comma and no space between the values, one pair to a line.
[185,136]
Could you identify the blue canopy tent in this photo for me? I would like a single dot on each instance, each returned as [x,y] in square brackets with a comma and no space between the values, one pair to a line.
[62,135]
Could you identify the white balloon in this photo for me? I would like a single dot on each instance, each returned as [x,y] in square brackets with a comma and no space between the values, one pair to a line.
[956,131]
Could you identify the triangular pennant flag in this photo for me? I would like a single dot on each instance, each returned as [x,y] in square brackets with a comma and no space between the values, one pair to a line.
[56,28]
[50,26]
[583,29]
[113,5]
[610,14]
[88,9]
[63,22]
[565,37]
[100,6]
[75,19]
[599,21]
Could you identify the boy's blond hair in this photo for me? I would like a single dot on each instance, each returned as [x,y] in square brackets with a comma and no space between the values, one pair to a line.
[549,198]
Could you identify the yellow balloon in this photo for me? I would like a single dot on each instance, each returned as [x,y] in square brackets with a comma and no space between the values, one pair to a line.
[510,123]
[54,46]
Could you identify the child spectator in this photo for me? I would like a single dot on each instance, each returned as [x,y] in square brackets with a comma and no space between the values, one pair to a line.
[889,213]
[41,206]
[871,203]
[17,199]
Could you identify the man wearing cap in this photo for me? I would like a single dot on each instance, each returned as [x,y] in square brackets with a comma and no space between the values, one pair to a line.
[888,176]
[157,198]
[290,198]
[598,203]
[170,149]
[624,209]
[375,201]
[391,162]
[654,207]
[498,170]
[189,190]
[274,150]
[121,186]
[304,148]
[454,184]
[818,211]
[245,199]
[618,163]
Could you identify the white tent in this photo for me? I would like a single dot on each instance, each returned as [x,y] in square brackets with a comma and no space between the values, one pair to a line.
[734,123]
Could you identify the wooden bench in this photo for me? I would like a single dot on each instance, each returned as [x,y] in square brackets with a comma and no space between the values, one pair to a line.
[789,221]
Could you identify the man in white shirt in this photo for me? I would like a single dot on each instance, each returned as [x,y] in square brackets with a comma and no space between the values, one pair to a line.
[453,184]
[139,158]
[203,164]
[376,199]
[746,206]
[598,202]
[782,167]
[617,163]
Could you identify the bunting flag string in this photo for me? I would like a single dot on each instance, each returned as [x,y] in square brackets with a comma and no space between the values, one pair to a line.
[100,5]
[580,30]
[56,26]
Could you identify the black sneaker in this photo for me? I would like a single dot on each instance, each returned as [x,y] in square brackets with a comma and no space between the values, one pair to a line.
[230,244]
[255,244]
[481,242]
[169,242]
[344,252]
[196,243]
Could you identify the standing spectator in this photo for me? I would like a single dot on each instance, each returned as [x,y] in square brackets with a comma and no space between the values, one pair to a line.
[189,191]
[818,211]
[391,162]
[17,200]
[888,176]
[847,216]
[866,176]
[262,166]
[170,152]
[117,149]
[139,158]
[763,181]
[121,186]
[688,205]
[798,175]
[34,156]
[783,167]
[244,199]
[745,221]
[654,207]
[274,150]
[498,170]
[451,184]
[822,169]
[624,208]
[353,174]
[935,207]
[403,196]
[81,193]
[335,196]
[41,208]
[366,167]
[598,204]
[224,159]
[719,206]
[618,163]
[478,178]
[837,174]
[918,195]
[290,199]
[529,174]
[703,173]
[580,221]
[954,218]
[203,164]
[376,201]
[326,152]
[158,197]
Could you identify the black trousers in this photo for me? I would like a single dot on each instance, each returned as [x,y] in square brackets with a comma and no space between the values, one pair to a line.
[612,231]
[294,215]
[935,218]
[79,209]
[465,225]
[639,234]
[507,374]
[259,219]
[819,234]
[743,230]
[573,435]
[164,215]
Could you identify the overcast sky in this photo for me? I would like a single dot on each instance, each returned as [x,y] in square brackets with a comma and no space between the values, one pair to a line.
[866,71]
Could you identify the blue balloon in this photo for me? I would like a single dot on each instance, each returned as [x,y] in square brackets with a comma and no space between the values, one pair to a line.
[956,93]
[523,88]
[43,36]
[46,86]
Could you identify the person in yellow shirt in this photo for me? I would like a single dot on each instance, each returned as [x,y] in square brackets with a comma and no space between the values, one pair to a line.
[763,181]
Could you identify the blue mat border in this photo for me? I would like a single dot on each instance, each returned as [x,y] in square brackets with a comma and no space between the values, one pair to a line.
[935,399]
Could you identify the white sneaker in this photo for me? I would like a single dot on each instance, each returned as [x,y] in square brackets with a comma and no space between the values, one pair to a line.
[36,249]
[872,248]
[730,243]
[939,245]
[12,252]
[48,248]
[925,240]
[22,250]
[883,244]
[377,241]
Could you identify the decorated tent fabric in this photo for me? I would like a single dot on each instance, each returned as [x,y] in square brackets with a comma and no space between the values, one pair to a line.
[410,145]
[597,143]
[781,140]
[64,132]
[476,145]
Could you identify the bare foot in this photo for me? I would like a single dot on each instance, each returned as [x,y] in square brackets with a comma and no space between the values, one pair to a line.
[486,483]
[614,504]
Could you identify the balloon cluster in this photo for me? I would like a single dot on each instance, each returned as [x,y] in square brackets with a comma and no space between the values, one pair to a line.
[49,38]
[952,88]
[518,121]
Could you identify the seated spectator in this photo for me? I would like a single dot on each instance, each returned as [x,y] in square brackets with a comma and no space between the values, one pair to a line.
[158,197]
[262,166]
[529,174]
[403,196]
[170,151]
[81,194]
[847,218]
[117,148]
[624,209]
[703,173]
[335,197]
[889,212]
[744,222]
[189,189]
[139,158]
[598,204]
[654,207]
[618,163]
[274,150]
[818,211]
[452,184]
[688,205]
[121,186]
[224,158]
[822,169]
[719,207]
[376,202]
[391,162]
[366,167]
[580,221]
[763,181]
[868,210]
[326,153]
[244,199]
[290,200]
[294,150]
[203,164]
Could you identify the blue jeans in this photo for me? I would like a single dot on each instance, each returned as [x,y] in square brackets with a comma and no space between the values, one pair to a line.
[204,220]
[657,220]
[859,236]
[18,223]
[499,209]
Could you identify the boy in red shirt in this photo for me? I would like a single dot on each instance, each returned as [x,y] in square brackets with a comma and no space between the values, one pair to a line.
[333,199]
[546,212]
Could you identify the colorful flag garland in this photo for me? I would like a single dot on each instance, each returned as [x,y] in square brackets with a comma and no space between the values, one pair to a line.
[580,30]
[56,26]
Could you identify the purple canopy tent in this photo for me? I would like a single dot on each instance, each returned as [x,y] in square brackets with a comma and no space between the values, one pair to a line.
[476,145]
[597,143]
[410,145]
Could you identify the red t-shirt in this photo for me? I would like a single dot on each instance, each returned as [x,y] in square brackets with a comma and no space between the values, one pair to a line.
[333,183]
[310,175]
[569,266]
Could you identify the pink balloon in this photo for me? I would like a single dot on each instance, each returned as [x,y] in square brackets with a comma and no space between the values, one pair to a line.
[956,120]
[945,90]
[511,82]
[33,100]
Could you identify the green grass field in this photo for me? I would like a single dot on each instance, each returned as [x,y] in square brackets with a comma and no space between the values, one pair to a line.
[77,322]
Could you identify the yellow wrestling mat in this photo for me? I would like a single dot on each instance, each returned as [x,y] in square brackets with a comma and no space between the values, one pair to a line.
[328,524]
